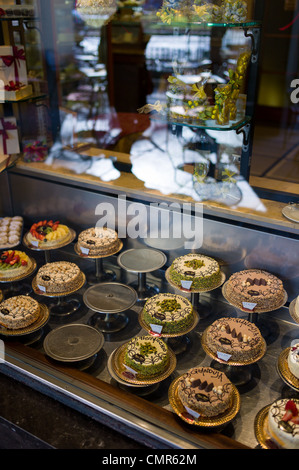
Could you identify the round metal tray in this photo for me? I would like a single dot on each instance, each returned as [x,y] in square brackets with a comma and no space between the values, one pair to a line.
[110,297]
[142,260]
[72,343]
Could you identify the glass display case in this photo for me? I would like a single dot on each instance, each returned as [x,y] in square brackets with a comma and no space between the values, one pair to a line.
[142,116]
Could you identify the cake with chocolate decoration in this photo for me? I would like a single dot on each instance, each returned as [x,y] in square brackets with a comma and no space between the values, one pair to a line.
[283,423]
[57,277]
[98,241]
[19,312]
[173,312]
[147,356]
[203,271]
[206,391]
[237,337]
[255,286]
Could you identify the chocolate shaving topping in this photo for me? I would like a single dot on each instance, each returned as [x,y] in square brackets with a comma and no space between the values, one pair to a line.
[256,282]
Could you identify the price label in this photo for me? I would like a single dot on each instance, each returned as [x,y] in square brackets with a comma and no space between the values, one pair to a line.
[42,288]
[34,243]
[186,284]
[192,412]
[131,371]
[223,356]
[84,251]
[248,305]
[156,329]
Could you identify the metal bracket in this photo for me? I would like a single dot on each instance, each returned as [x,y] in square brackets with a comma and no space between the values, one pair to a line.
[245,130]
[254,35]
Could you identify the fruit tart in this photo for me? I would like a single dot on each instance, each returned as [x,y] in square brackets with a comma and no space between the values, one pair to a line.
[47,233]
[14,263]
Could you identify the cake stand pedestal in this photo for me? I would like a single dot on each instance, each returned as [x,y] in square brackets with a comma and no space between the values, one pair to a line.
[100,274]
[202,307]
[109,301]
[239,373]
[62,306]
[16,286]
[74,344]
[47,250]
[142,261]
[178,342]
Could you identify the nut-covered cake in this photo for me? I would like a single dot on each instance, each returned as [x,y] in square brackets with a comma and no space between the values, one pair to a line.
[98,241]
[14,263]
[173,312]
[255,286]
[237,337]
[47,233]
[202,271]
[147,355]
[297,306]
[283,423]
[206,391]
[19,312]
[293,359]
[57,277]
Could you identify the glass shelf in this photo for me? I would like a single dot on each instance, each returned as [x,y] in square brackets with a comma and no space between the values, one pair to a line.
[195,25]
[208,124]
[28,99]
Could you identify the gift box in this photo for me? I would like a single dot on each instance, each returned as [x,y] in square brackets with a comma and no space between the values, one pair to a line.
[10,10]
[34,151]
[13,67]
[9,137]
[14,91]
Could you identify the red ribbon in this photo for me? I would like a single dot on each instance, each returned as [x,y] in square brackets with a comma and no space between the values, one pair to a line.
[6,126]
[13,86]
[2,12]
[17,55]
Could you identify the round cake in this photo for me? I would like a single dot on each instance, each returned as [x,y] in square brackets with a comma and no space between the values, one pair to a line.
[255,286]
[13,263]
[173,312]
[206,391]
[203,271]
[98,241]
[297,306]
[283,423]
[147,355]
[19,312]
[48,234]
[58,277]
[238,337]
[293,359]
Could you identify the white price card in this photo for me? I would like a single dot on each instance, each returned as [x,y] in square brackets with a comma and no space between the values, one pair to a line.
[186,284]
[84,251]
[34,243]
[42,288]
[249,305]
[192,412]
[156,328]
[223,356]
[132,371]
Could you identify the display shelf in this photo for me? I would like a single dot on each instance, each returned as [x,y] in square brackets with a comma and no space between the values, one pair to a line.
[208,125]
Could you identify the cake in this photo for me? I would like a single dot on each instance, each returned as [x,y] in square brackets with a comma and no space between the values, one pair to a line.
[48,234]
[19,312]
[206,391]
[173,312]
[147,356]
[57,277]
[255,286]
[203,271]
[297,306]
[283,423]
[239,338]
[13,263]
[10,231]
[98,241]
[293,359]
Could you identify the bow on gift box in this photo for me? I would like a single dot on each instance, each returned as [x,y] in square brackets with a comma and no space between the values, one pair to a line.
[13,86]
[35,151]
[6,126]
[17,55]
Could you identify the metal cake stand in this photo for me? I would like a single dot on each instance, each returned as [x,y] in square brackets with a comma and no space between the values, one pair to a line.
[100,274]
[142,261]
[62,306]
[110,301]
